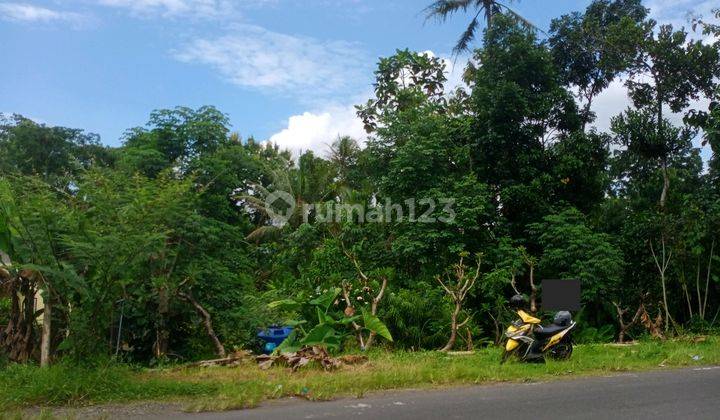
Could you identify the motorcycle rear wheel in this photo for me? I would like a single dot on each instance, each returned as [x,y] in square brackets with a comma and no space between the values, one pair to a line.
[561,351]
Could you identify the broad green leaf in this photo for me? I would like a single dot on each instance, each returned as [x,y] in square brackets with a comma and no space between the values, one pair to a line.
[319,335]
[326,299]
[332,342]
[322,317]
[374,324]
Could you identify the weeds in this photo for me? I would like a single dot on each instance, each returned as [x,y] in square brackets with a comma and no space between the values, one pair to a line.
[222,388]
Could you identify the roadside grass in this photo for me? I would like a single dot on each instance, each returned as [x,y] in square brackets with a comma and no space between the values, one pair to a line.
[65,384]
[222,388]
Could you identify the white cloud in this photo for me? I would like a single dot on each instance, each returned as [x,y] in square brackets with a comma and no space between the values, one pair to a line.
[172,8]
[614,100]
[609,103]
[304,67]
[24,12]
[318,129]
[680,12]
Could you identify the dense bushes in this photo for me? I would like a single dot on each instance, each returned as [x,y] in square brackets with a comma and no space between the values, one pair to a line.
[169,247]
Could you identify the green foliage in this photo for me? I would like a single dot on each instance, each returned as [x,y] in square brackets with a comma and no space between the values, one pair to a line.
[54,154]
[591,49]
[413,326]
[504,166]
[319,324]
[404,81]
[603,334]
[572,250]
[680,70]
[177,135]
[442,9]
[373,324]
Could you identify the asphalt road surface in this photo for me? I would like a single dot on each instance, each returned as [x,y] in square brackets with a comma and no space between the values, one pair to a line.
[692,393]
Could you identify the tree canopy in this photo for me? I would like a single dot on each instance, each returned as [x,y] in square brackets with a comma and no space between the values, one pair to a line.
[186,239]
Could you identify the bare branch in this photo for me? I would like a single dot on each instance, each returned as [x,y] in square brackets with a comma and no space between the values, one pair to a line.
[379,295]
[444,287]
[355,262]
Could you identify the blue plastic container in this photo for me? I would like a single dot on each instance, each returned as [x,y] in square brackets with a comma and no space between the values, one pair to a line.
[273,336]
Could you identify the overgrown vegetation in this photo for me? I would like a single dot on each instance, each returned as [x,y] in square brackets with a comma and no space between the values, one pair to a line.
[66,384]
[173,246]
[247,385]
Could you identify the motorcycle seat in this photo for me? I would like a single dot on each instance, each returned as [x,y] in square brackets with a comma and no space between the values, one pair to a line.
[548,330]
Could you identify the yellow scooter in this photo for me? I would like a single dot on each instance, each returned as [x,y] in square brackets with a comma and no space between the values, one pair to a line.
[531,341]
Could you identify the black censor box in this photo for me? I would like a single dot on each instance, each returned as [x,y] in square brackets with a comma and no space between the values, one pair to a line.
[561,295]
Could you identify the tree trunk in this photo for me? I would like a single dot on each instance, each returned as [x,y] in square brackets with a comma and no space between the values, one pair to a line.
[46,339]
[666,185]
[687,299]
[665,304]
[623,326]
[662,265]
[453,328]
[496,324]
[707,278]
[370,340]
[207,322]
[666,178]
[697,289]
[533,290]
[488,6]
[586,109]
[162,335]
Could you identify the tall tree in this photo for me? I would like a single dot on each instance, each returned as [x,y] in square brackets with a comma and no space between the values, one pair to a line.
[344,154]
[591,49]
[56,154]
[520,110]
[173,138]
[670,72]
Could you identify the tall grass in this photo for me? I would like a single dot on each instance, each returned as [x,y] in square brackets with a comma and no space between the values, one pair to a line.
[246,385]
[66,384]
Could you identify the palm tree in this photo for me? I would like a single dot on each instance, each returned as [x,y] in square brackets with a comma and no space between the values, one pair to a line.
[442,9]
[281,204]
[344,154]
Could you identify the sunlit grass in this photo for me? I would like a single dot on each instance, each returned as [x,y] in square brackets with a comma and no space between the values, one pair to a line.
[220,388]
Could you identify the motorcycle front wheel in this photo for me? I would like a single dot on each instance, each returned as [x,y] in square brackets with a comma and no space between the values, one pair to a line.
[506,355]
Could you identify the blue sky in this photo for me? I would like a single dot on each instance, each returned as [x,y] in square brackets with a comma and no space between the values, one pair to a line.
[286,70]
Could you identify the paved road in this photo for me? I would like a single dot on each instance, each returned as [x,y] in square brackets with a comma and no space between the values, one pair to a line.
[671,394]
